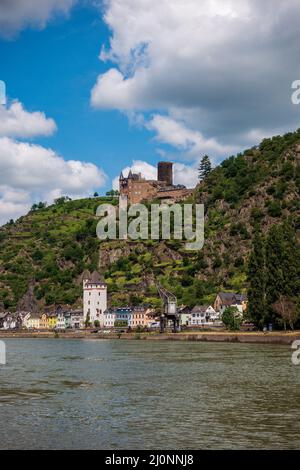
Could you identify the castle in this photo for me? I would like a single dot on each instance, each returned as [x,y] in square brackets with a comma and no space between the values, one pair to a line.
[138,189]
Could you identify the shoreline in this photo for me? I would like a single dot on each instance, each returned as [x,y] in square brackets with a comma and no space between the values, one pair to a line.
[215,337]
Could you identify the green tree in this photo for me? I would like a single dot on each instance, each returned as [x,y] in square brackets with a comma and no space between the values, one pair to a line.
[275,276]
[112,193]
[204,167]
[61,200]
[232,319]
[88,321]
[291,261]
[97,324]
[257,281]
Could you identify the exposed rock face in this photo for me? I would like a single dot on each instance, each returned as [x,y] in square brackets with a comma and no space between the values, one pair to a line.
[28,303]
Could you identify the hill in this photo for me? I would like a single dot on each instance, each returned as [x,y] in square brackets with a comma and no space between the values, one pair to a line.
[43,254]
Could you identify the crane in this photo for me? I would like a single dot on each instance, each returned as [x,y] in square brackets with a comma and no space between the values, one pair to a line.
[169,311]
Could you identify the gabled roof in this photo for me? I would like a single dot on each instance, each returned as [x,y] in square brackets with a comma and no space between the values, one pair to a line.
[229,298]
[200,308]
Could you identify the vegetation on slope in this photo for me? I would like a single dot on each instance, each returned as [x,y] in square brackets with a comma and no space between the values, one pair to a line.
[43,254]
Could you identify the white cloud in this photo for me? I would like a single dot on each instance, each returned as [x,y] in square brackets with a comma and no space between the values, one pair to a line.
[186,175]
[16,15]
[30,173]
[13,203]
[177,134]
[15,121]
[221,69]
[183,174]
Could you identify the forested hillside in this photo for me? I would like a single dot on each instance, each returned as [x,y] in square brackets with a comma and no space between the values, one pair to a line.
[43,254]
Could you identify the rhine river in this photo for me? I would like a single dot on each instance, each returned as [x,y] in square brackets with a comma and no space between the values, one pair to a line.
[99,394]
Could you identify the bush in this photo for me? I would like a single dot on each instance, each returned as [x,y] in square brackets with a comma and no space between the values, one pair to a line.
[274,209]
[232,319]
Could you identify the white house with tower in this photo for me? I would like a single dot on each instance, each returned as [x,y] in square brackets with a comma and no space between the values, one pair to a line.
[94,298]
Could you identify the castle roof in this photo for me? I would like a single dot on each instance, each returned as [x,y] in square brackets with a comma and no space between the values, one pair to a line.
[86,275]
[95,277]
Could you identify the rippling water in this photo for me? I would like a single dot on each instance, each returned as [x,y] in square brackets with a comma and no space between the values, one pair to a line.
[58,394]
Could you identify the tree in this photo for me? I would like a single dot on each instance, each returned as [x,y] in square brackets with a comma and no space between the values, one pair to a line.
[282,266]
[291,261]
[97,323]
[112,193]
[204,167]
[121,324]
[232,318]
[257,282]
[61,200]
[275,275]
[88,321]
[287,311]
[96,194]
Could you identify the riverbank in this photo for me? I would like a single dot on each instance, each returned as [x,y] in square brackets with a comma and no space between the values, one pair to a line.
[216,337]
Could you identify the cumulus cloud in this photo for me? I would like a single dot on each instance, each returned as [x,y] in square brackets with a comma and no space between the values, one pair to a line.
[18,14]
[224,69]
[15,121]
[13,203]
[183,174]
[177,134]
[29,173]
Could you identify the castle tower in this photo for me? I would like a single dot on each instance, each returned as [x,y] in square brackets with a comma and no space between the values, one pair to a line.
[165,172]
[94,298]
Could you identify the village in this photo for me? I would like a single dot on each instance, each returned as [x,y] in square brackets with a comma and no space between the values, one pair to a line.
[97,315]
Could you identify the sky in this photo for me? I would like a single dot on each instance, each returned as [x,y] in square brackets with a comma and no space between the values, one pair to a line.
[98,86]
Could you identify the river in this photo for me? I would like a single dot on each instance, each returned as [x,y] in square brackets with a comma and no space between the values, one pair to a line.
[99,394]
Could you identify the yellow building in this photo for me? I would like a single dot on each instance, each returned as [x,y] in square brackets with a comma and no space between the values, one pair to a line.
[52,321]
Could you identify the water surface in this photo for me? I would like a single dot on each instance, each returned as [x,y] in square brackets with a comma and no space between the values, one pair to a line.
[69,394]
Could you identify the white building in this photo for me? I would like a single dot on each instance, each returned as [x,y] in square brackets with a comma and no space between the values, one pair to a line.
[94,298]
[76,319]
[61,321]
[203,315]
[109,318]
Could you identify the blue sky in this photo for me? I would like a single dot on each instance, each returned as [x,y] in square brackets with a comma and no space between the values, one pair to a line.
[99,86]
[54,70]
